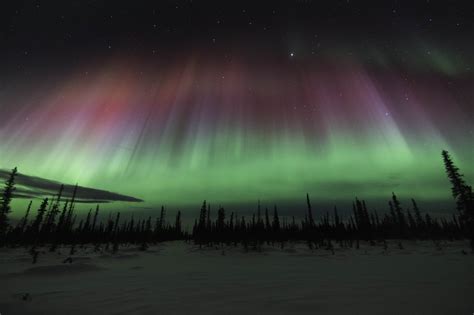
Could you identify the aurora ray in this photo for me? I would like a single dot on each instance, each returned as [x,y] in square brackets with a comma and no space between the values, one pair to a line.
[232,131]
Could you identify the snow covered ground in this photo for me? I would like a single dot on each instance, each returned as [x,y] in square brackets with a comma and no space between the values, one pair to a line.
[178,278]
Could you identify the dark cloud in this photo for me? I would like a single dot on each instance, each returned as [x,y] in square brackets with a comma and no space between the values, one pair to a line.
[37,187]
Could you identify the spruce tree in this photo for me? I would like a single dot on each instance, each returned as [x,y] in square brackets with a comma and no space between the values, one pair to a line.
[220,220]
[336,217]
[310,211]
[411,222]
[161,222]
[267,220]
[208,220]
[62,218]
[39,217]
[259,214]
[51,217]
[276,220]
[177,224]
[461,192]
[24,221]
[243,225]
[231,222]
[463,195]
[69,219]
[400,216]
[94,222]
[115,233]
[7,196]
[420,224]
[202,217]
[86,226]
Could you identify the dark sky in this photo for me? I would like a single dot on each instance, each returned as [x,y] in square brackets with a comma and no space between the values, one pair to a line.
[52,32]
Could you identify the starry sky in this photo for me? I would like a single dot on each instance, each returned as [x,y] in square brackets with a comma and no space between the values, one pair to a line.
[174,102]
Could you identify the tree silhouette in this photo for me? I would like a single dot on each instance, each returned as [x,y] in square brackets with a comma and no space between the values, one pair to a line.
[363,225]
[177,224]
[267,220]
[7,196]
[208,220]
[94,222]
[276,220]
[462,193]
[399,213]
[53,211]
[420,224]
[162,218]
[202,217]
[310,212]
[24,221]
[220,220]
[35,227]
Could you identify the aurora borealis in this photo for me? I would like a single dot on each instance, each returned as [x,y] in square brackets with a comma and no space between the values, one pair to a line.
[233,125]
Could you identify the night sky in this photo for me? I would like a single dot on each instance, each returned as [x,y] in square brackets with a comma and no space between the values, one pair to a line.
[174,102]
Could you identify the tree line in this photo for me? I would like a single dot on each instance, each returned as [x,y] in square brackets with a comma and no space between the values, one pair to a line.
[55,223]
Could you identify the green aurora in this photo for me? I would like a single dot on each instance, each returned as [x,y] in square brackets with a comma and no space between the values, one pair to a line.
[235,134]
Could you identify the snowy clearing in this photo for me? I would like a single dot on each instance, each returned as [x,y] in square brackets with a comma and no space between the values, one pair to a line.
[178,278]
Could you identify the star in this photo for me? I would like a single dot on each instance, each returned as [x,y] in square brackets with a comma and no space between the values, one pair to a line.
[291,54]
